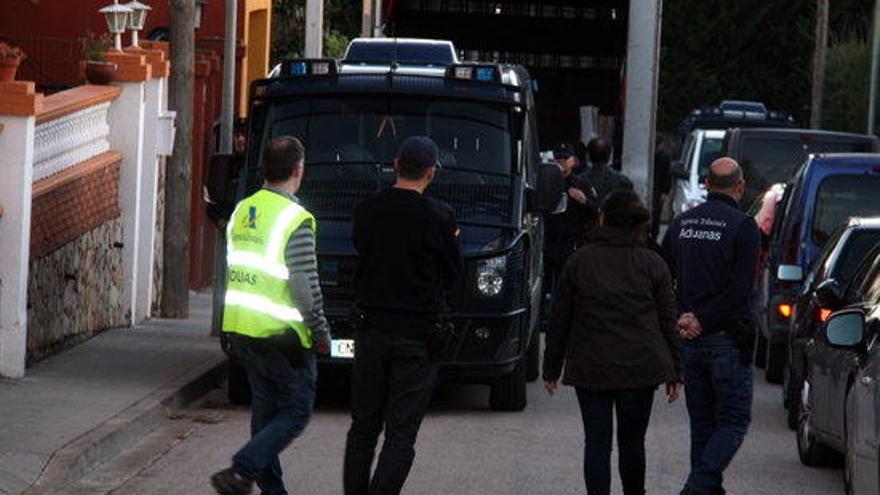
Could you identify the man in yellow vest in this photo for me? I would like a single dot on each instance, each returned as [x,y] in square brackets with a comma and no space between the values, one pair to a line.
[275,317]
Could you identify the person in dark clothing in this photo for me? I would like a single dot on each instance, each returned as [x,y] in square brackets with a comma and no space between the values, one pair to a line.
[567,230]
[409,261]
[613,329]
[712,251]
[662,182]
[601,177]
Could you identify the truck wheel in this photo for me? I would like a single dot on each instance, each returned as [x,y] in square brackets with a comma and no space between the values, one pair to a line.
[761,351]
[775,363]
[533,357]
[509,392]
[239,390]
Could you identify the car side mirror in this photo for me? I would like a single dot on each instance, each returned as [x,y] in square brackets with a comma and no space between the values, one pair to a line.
[679,171]
[550,189]
[790,273]
[829,294]
[846,330]
[219,187]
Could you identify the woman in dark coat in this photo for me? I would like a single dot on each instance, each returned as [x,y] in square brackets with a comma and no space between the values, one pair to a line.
[614,328]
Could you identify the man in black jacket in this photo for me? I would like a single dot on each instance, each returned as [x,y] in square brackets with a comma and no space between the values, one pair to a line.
[712,251]
[409,261]
[601,177]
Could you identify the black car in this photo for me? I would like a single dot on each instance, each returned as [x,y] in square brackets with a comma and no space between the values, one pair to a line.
[824,292]
[855,331]
[351,116]
[831,370]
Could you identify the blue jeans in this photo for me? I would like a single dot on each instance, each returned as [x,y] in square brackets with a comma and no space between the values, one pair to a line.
[281,406]
[718,388]
[633,414]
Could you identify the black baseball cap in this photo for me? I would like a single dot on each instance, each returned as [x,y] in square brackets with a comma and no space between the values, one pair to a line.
[563,151]
[419,151]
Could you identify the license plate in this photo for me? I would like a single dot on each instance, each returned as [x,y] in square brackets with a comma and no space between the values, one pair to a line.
[342,348]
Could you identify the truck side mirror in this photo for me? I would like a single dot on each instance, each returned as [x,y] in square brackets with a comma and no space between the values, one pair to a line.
[550,189]
[678,171]
[829,294]
[219,187]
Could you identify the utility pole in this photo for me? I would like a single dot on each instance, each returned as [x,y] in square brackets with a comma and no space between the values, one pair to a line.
[175,241]
[227,113]
[642,73]
[875,68]
[367,19]
[819,59]
[314,28]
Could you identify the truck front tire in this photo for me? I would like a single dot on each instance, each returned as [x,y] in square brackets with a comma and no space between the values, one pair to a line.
[509,392]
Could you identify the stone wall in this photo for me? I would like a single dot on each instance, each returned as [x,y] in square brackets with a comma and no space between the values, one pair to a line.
[76,291]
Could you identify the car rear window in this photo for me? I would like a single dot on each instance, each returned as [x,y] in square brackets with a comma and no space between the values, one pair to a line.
[857,247]
[841,197]
[767,160]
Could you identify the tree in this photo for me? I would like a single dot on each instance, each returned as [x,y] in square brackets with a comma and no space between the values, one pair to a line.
[820,56]
[175,264]
[342,22]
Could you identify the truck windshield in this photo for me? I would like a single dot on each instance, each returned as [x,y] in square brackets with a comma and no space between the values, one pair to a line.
[351,143]
[841,197]
[359,130]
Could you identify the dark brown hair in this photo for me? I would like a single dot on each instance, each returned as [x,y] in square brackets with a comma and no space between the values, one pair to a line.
[624,209]
[281,157]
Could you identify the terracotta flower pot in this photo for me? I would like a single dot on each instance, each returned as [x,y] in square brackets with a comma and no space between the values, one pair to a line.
[8,68]
[101,73]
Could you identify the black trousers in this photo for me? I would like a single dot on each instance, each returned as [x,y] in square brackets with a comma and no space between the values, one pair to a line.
[392,382]
[633,414]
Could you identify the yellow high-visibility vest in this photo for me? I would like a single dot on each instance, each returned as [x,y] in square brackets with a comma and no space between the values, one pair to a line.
[258,301]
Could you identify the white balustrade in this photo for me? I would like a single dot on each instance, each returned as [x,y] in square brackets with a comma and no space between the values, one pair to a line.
[70,139]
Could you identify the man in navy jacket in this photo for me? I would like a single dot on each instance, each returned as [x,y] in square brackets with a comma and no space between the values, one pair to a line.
[712,251]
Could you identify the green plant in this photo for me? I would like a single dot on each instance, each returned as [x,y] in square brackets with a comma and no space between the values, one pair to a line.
[847,85]
[95,46]
[10,52]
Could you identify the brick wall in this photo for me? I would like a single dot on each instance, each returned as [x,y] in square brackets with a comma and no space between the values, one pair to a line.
[75,273]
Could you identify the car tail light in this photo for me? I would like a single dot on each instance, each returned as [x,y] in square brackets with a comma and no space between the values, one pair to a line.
[822,314]
[785,310]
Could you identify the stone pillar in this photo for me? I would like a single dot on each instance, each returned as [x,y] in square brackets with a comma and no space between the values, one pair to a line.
[19,105]
[642,70]
[155,103]
[127,124]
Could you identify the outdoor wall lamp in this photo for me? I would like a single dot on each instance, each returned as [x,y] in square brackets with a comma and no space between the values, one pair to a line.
[138,20]
[200,5]
[117,20]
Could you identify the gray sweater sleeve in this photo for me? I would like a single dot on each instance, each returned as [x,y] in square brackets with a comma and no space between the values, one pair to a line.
[302,264]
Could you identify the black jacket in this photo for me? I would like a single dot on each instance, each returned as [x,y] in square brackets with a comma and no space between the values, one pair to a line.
[712,251]
[568,229]
[409,259]
[614,319]
[605,180]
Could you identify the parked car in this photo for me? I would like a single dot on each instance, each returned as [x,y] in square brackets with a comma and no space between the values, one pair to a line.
[734,113]
[823,194]
[831,372]
[824,292]
[774,155]
[701,148]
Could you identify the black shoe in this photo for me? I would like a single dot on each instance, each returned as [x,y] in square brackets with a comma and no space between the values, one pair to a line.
[228,482]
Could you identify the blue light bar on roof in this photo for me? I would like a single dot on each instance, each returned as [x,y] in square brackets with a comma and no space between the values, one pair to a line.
[310,67]
[475,72]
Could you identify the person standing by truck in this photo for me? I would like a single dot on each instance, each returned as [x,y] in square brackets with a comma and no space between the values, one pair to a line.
[712,251]
[409,262]
[274,315]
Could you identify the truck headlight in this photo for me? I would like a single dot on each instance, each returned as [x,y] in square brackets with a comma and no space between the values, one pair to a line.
[490,276]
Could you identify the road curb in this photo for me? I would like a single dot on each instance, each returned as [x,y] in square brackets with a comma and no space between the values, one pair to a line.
[112,436]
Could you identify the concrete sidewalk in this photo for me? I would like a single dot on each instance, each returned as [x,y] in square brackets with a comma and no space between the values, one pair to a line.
[81,407]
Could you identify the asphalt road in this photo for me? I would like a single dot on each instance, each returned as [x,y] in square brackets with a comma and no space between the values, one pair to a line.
[465,449]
